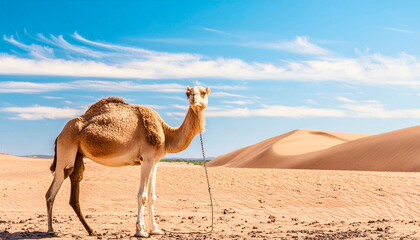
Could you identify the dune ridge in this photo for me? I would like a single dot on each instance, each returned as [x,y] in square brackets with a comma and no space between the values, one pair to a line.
[310,149]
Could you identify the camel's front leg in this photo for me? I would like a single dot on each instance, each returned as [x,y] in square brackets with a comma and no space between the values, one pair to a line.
[151,201]
[146,169]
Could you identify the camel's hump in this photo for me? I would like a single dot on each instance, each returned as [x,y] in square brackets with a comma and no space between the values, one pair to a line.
[109,116]
[103,105]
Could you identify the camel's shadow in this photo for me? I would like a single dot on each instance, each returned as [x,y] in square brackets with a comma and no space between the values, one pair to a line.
[26,235]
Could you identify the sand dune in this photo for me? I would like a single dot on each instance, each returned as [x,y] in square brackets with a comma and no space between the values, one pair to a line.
[251,203]
[308,149]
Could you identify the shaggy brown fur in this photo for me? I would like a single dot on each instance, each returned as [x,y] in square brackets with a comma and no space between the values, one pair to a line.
[102,106]
[152,124]
[101,122]
[98,124]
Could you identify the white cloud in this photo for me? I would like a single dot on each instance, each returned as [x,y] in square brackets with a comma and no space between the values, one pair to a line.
[127,86]
[225,94]
[398,30]
[37,51]
[110,46]
[228,87]
[300,46]
[155,106]
[214,30]
[183,41]
[370,101]
[366,109]
[59,67]
[221,87]
[271,111]
[278,111]
[183,107]
[175,98]
[377,110]
[346,100]
[91,85]
[47,97]
[311,101]
[41,112]
[137,63]
[31,87]
[63,44]
[239,102]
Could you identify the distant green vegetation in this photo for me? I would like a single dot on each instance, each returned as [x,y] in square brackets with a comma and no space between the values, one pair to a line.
[195,162]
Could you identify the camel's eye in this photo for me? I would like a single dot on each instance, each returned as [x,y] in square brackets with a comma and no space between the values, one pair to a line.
[203,94]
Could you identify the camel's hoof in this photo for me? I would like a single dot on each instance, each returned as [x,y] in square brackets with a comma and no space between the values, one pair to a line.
[142,233]
[93,233]
[52,233]
[157,232]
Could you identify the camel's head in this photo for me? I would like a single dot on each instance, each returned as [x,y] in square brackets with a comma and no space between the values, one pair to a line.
[198,97]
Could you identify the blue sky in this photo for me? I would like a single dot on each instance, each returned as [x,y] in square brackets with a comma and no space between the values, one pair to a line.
[273,66]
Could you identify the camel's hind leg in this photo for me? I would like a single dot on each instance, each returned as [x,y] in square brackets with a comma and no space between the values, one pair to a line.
[50,197]
[75,179]
[61,173]
[65,155]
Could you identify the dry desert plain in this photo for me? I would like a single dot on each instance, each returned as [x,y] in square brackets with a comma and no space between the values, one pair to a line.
[256,197]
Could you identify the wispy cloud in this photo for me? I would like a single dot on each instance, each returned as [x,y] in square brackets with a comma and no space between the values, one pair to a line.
[113,46]
[32,87]
[239,102]
[300,46]
[398,30]
[354,109]
[174,98]
[371,109]
[226,94]
[51,97]
[378,110]
[278,111]
[181,41]
[344,99]
[226,87]
[183,107]
[311,101]
[91,85]
[137,63]
[128,86]
[156,106]
[41,112]
[37,51]
[60,42]
[375,109]
[213,30]
[221,87]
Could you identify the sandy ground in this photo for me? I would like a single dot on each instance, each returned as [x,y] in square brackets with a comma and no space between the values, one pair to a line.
[251,203]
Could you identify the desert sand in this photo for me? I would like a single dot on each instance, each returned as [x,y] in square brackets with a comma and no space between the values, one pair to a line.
[251,203]
[310,149]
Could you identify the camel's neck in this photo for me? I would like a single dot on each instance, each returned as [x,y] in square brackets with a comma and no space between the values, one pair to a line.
[178,139]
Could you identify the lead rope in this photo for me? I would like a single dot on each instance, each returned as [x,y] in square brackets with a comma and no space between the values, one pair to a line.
[208,185]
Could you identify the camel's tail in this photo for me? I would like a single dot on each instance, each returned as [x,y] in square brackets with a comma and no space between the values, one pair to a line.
[52,167]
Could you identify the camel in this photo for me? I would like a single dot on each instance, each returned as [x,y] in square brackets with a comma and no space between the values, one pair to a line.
[114,133]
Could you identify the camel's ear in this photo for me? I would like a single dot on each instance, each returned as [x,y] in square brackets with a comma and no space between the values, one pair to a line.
[208,90]
[188,91]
